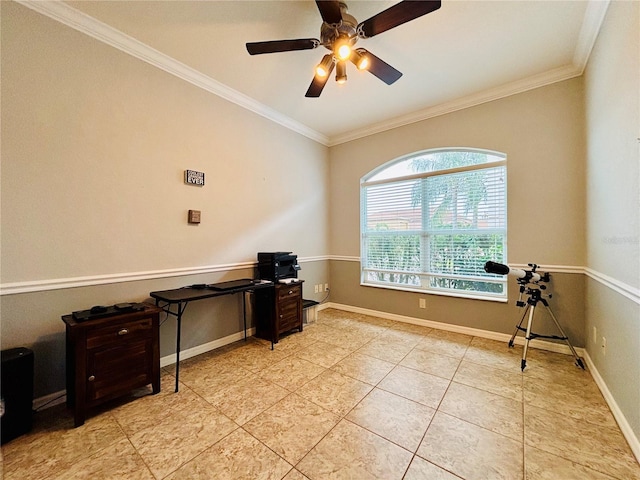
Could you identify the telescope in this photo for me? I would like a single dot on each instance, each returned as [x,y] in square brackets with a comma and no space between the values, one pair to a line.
[528,281]
[523,276]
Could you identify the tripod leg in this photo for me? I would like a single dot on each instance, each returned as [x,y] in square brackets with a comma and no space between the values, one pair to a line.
[527,337]
[566,339]
[515,332]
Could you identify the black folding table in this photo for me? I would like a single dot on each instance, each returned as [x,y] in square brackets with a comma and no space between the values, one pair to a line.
[182,296]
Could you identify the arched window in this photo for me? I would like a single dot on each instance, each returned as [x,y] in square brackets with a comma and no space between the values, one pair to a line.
[432,219]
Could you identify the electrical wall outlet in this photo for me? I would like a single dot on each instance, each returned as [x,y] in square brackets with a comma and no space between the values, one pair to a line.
[326,287]
[315,289]
[422,303]
[604,346]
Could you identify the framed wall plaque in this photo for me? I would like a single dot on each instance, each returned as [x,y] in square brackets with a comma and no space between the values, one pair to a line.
[191,177]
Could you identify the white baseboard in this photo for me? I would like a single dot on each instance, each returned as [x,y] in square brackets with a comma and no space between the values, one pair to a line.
[56,398]
[634,443]
[502,337]
[48,401]
[626,429]
[220,342]
[205,347]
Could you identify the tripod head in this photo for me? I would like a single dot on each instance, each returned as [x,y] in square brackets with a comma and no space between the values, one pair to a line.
[534,292]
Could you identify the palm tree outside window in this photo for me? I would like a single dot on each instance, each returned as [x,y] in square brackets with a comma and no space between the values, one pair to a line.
[432,219]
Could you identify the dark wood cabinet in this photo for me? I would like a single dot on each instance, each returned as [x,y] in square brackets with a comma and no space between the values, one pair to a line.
[278,310]
[111,356]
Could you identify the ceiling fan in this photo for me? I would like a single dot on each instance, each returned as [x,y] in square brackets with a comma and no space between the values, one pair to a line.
[339,33]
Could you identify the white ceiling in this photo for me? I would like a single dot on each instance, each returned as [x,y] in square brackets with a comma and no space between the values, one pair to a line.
[465,53]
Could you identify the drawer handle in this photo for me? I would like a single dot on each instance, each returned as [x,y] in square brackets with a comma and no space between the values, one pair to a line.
[92,378]
[124,331]
[290,292]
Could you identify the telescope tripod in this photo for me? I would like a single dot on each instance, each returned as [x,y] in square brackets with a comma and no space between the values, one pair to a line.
[535,296]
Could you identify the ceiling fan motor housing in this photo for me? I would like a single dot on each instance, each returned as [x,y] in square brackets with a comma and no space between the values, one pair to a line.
[339,33]
[347,29]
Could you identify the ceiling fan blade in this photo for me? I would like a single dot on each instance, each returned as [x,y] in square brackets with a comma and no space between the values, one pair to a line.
[398,14]
[329,11]
[380,68]
[274,46]
[318,83]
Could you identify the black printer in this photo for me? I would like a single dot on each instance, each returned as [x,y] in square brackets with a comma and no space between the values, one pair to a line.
[277,265]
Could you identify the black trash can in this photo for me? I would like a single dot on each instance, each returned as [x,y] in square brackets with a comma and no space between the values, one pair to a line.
[16,391]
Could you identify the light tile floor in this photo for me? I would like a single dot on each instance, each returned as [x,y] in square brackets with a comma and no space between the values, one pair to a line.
[351,397]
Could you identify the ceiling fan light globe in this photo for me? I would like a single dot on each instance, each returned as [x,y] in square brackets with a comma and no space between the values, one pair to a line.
[341,73]
[361,61]
[321,72]
[325,66]
[343,52]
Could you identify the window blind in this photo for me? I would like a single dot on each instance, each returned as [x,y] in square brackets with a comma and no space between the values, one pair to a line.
[436,230]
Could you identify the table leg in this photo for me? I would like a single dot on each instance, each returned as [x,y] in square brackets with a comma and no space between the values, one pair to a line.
[244,314]
[181,310]
[179,327]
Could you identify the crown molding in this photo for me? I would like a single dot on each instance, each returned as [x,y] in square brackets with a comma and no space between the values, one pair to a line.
[519,86]
[73,18]
[591,24]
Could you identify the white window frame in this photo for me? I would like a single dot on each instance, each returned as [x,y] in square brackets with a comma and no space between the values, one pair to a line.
[425,232]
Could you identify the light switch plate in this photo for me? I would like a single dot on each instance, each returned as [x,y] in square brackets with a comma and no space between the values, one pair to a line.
[194,216]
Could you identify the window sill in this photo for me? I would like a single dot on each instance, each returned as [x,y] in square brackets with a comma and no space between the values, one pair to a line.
[486,298]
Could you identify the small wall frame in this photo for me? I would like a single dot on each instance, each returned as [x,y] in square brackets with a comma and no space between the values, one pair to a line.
[192,177]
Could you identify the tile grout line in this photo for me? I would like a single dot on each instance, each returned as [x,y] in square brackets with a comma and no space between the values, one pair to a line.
[344,417]
[548,365]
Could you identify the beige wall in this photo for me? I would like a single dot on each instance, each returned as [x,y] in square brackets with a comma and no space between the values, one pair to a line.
[94,146]
[612,99]
[95,143]
[567,304]
[542,133]
[612,103]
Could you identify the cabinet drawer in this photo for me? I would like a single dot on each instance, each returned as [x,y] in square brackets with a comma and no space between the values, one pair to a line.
[120,332]
[289,291]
